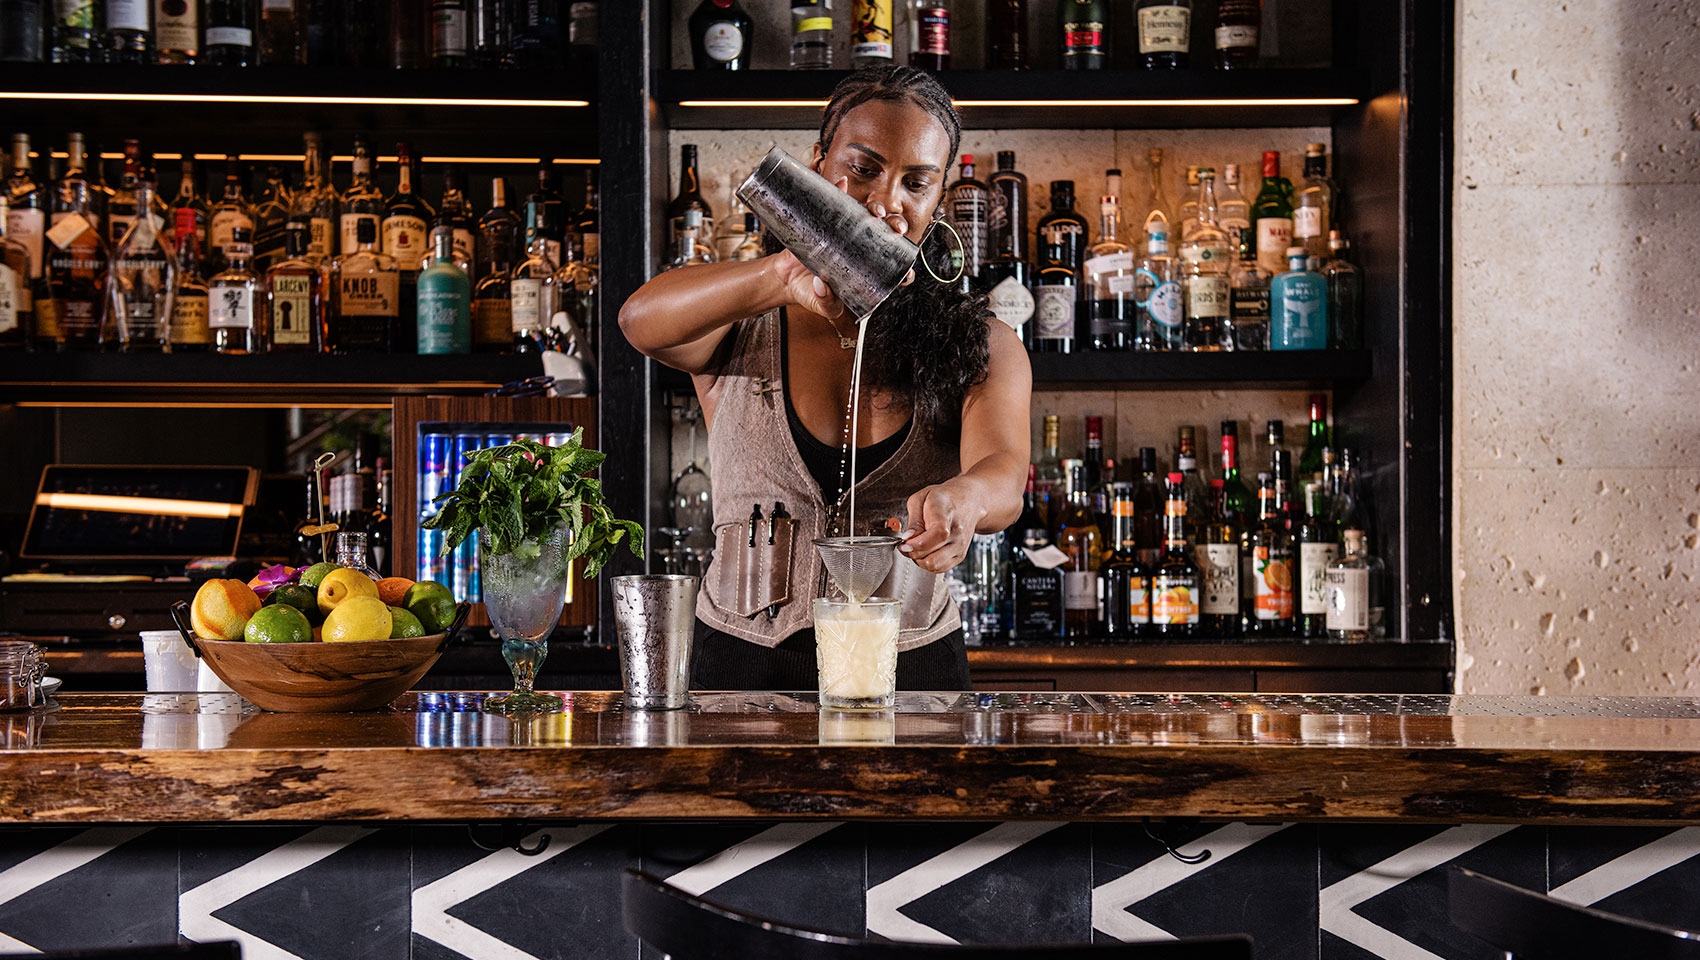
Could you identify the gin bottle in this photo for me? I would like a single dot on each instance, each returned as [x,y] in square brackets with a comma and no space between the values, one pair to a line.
[1110,280]
[143,279]
[1355,612]
[1299,301]
[1157,292]
[968,207]
[811,34]
[1062,240]
[1205,258]
[233,299]
[445,300]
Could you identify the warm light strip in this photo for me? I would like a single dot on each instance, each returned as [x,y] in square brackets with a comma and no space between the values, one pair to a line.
[264,98]
[1281,102]
[151,505]
[194,405]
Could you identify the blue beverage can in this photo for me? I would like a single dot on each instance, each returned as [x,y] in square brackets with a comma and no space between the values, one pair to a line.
[558,439]
[461,582]
[465,445]
[498,439]
[434,452]
[432,565]
[474,584]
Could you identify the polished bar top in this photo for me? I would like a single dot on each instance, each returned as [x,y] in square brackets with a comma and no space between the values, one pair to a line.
[437,756]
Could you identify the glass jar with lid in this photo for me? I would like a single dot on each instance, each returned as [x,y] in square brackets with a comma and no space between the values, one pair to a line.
[21,668]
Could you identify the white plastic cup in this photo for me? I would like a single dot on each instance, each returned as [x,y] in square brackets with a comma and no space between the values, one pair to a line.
[173,668]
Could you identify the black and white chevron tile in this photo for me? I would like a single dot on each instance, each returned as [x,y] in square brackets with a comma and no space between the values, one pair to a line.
[1303,892]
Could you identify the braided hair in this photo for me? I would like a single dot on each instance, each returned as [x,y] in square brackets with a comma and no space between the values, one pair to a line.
[928,343]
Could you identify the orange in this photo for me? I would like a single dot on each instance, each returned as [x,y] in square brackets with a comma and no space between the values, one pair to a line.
[221,609]
[392,590]
[1278,575]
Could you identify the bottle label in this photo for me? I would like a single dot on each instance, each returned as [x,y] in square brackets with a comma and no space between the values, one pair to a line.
[376,294]
[1165,29]
[230,37]
[448,30]
[1111,263]
[1307,222]
[1314,559]
[1054,308]
[321,238]
[230,308]
[723,41]
[1038,608]
[492,321]
[592,246]
[118,224]
[1274,236]
[1012,302]
[441,315]
[1249,304]
[970,215]
[465,243]
[223,226]
[1272,584]
[1348,599]
[870,29]
[26,226]
[809,24]
[1229,38]
[127,15]
[47,321]
[527,310]
[13,289]
[1304,314]
[76,14]
[1165,309]
[351,229]
[292,309]
[1174,599]
[1139,599]
[1080,590]
[1207,296]
[933,25]
[1220,565]
[404,239]
[189,323]
[66,228]
[176,26]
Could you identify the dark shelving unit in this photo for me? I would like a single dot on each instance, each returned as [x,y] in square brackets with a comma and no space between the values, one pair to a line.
[1299,369]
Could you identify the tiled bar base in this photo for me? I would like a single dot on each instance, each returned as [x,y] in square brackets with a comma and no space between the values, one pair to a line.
[1300,890]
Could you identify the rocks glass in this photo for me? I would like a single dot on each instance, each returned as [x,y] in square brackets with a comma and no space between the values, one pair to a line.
[524,591]
[856,652]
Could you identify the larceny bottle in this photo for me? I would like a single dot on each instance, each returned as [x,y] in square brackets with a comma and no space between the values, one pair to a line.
[1126,582]
[1175,583]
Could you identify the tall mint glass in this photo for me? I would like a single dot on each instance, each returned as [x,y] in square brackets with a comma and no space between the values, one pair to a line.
[524,591]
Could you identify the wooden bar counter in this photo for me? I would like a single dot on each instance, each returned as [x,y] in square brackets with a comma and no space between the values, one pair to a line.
[435,757]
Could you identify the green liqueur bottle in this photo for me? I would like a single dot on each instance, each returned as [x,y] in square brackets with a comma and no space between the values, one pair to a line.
[445,300]
[1084,28]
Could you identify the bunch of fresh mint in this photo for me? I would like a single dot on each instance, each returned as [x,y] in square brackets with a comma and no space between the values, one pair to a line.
[518,492]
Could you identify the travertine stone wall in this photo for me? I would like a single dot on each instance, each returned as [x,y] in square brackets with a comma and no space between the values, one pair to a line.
[1576,399]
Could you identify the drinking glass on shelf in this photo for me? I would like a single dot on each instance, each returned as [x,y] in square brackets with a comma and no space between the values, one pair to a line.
[692,497]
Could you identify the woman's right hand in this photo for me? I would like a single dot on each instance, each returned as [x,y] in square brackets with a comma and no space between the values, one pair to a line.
[805,289]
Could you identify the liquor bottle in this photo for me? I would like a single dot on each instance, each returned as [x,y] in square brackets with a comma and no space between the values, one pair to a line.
[72,36]
[26,217]
[17,297]
[445,300]
[283,32]
[1205,287]
[1006,236]
[365,296]
[1079,537]
[1237,505]
[177,31]
[189,210]
[188,330]
[537,34]
[870,33]
[231,213]
[363,202]
[689,197]
[1274,442]
[532,291]
[310,530]
[1350,497]
[578,283]
[404,45]
[1187,212]
[1317,439]
[1355,613]
[1233,211]
[586,224]
[691,249]
[1272,216]
[1006,34]
[1248,297]
[229,37]
[1235,33]
[1157,292]
[1149,496]
[315,204]
[750,248]
[454,213]
[406,219]
[1313,206]
[1345,294]
[1110,276]
[492,309]
[271,213]
[1298,301]
[379,525]
[128,34]
[1093,459]
[721,35]
[1048,477]
[21,31]
[583,28]
[1126,581]
[1318,546]
[1271,567]
[142,284]
[1158,208]
[234,312]
[1061,242]
[1083,27]
[1165,33]
[547,198]
[295,307]
[76,262]
[121,205]
[1175,583]
[490,32]
[968,208]
[929,34]
[1218,552]
[498,230]
[448,34]
[1036,588]
[1197,492]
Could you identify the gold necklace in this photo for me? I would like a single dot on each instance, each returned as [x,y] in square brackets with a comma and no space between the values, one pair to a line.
[844,342]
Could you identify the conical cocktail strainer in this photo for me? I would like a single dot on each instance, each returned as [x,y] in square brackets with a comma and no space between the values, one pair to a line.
[857,565]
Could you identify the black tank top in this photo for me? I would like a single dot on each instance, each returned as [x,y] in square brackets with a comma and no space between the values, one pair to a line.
[823,460]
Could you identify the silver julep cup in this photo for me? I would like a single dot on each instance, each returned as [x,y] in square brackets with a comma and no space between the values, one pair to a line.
[859,256]
[655,619]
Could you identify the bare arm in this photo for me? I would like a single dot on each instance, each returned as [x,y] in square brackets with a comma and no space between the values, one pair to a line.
[996,445]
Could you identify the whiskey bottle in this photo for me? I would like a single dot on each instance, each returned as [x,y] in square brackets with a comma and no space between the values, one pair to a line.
[969,210]
[1313,206]
[1205,259]
[1355,612]
[1175,583]
[929,34]
[1006,34]
[121,208]
[1165,33]
[231,213]
[532,290]
[1079,538]
[1235,33]
[316,202]
[283,32]
[365,295]
[498,232]
[455,215]
[188,331]
[721,34]
[689,197]
[295,309]
[271,214]
[811,34]
[26,217]
[586,228]
[1083,27]
[448,33]
[1271,567]
[189,200]
[1218,552]
[406,217]
[229,37]
[1127,583]
[1318,546]
[445,300]
[870,33]
[1272,216]
[73,34]
[362,202]
[1061,243]
[143,279]
[234,311]
[492,310]
[547,198]
[177,31]
[1110,277]
[17,306]
[76,266]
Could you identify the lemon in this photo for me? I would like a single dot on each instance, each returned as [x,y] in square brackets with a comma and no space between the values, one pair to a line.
[404,624]
[341,584]
[278,623]
[358,618]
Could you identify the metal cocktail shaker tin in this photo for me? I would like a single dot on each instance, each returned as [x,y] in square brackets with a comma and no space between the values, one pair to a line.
[655,620]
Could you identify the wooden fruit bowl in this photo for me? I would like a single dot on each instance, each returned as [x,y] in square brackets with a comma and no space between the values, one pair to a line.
[319,677]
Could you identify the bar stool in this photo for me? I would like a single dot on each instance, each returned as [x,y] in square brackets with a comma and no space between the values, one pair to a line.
[218,950]
[1534,926]
[689,928]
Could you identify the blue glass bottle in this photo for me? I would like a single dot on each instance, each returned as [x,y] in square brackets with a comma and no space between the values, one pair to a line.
[445,301]
[1298,300]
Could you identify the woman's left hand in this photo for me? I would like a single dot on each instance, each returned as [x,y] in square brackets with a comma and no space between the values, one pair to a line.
[941,527]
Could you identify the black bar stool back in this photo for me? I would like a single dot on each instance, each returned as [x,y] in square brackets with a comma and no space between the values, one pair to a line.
[1533,926]
[689,928]
[218,950]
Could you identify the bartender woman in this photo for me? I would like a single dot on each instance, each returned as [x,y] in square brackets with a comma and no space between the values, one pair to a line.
[942,429]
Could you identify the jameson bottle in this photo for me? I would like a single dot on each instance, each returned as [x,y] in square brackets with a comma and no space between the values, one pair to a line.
[1175,584]
[1127,584]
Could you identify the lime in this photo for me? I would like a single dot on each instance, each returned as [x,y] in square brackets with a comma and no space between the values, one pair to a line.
[432,603]
[299,596]
[278,623]
[404,624]
[313,575]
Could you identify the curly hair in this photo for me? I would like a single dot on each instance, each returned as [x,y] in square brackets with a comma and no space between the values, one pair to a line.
[928,342]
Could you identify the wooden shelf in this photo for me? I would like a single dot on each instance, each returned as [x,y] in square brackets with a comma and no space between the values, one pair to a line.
[1161,99]
[1105,369]
[267,379]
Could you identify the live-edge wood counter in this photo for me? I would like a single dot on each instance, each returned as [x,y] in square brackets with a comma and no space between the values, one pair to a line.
[435,757]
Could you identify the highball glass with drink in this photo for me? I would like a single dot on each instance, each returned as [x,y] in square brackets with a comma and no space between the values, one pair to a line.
[856,651]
